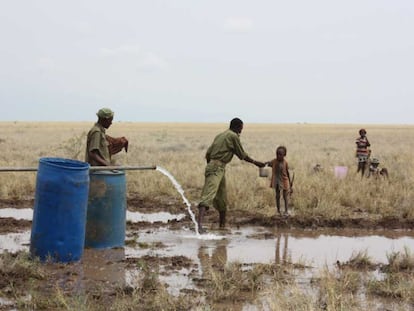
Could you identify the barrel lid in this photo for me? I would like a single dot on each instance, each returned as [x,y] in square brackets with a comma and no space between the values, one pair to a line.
[64,163]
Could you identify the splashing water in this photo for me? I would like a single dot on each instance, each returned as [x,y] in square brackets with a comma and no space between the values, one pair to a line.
[181,191]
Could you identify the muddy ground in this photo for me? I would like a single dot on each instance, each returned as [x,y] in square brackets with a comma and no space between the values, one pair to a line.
[235,218]
[77,278]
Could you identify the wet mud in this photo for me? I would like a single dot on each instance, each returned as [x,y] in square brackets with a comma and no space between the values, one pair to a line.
[17,203]
[8,225]
[235,218]
[166,244]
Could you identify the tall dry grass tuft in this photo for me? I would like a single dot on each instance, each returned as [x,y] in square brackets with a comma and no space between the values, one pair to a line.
[57,299]
[360,260]
[398,281]
[180,148]
[288,297]
[17,269]
[235,282]
[400,262]
[338,289]
[394,285]
[148,293]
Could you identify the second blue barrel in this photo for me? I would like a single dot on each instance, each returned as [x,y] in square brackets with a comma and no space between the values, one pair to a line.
[106,215]
[59,214]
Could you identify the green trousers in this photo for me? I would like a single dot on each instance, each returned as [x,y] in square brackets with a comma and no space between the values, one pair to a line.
[214,190]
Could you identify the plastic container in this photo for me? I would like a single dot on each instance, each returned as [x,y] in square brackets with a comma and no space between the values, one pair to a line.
[106,216]
[340,171]
[263,172]
[59,214]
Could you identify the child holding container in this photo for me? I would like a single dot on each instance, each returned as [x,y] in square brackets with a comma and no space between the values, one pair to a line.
[280,181]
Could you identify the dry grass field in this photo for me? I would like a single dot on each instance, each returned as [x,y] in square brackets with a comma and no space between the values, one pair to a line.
[180,149]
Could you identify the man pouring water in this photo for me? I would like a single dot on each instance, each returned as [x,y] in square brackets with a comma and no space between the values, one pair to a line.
[220,152]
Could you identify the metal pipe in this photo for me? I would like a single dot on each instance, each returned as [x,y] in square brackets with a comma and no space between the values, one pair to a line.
[122,168]
[91,168]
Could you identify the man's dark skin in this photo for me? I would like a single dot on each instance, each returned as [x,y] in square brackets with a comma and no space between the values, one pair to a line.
[94,154]
[222,214]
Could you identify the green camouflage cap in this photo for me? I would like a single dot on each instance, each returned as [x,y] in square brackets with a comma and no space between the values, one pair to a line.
[105,113]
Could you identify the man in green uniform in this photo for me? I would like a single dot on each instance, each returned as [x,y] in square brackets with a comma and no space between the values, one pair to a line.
[99,146]
[221,151]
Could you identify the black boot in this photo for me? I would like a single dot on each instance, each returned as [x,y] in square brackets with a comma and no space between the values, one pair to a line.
[201,212]
[222,219]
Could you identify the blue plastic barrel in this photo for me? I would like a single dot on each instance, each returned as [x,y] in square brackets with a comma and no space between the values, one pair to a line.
[106,215]
[59,215]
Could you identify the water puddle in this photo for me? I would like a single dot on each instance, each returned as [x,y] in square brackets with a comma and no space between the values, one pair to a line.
[17,213]
[251,245]
[6,302]
[14,242]
[248,245]
[27,214]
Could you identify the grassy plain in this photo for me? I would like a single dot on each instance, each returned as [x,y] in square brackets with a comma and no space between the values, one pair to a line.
[180,148]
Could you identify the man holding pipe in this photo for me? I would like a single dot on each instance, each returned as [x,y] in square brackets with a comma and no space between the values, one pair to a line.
[221,152]
[99,146]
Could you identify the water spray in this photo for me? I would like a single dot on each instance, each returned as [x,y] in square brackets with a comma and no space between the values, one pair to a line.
[181,191]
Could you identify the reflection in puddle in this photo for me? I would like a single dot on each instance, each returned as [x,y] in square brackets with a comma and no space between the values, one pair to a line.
[316,249]
[205,237]
[104,265]
[212,259]
[98,269]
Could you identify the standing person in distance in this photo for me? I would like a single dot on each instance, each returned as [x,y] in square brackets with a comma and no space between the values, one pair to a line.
[99,146]
[362,152]
[220,152]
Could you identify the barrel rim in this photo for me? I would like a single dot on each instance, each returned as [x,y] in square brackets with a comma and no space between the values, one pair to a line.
[58,162]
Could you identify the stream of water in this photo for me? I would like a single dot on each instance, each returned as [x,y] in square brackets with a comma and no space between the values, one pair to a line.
[208,236]
[181,192]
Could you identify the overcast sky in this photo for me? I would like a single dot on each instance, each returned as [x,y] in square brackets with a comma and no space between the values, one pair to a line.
[316,61]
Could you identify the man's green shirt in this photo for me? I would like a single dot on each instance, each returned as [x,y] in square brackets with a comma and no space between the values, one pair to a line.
[96,140]
[224,146]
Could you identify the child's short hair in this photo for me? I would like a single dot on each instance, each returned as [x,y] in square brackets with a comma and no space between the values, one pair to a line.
[283,148]
[362,131]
